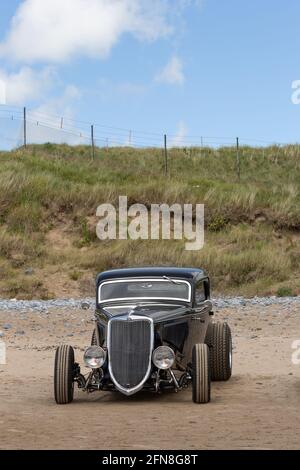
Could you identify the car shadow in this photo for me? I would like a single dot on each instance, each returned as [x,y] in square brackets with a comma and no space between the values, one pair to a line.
[140,397]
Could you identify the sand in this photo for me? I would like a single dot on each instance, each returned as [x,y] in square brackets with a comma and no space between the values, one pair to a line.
[259,408]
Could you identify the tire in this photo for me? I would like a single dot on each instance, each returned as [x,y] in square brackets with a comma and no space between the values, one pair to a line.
[94,339]
[201,373]
[63,375]
[219,340]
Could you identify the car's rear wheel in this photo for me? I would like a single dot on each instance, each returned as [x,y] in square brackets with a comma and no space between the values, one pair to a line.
[64,375]
[94,339]
[201,373]
[219,341]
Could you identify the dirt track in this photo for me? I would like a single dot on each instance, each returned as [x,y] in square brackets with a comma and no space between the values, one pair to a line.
[259,408]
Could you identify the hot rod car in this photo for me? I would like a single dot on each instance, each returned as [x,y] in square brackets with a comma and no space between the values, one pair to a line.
[153,331]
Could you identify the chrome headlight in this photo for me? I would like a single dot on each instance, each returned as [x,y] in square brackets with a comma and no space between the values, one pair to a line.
[94,357]
[163,357]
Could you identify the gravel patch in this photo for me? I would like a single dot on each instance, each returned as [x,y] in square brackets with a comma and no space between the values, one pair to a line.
[261,301]
[70,304]
[45,305]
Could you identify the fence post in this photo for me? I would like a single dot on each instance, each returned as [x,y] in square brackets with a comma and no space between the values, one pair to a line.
[238,160]
[25,128]
[166,154]
[93,142]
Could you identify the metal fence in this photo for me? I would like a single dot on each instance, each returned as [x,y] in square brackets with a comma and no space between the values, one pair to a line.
[23,126]
[20,127]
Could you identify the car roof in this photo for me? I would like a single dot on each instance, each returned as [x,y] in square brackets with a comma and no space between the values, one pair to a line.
[183,273]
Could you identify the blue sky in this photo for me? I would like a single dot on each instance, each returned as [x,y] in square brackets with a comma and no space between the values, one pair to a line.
[189,68]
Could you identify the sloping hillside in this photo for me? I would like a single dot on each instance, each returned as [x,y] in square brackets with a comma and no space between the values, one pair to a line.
[49,195]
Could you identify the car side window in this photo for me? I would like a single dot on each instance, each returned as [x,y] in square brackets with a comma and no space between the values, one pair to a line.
[200,293]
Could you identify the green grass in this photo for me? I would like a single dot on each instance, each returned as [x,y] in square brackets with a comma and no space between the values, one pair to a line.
[49,195]
[285,292]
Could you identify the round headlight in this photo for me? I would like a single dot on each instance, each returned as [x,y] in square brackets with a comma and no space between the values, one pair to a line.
[163,357]
[94,357]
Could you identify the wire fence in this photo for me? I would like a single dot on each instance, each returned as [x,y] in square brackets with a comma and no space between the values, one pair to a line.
[22,126]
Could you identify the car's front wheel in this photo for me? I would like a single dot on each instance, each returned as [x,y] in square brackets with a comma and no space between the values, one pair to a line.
[64,375]
[220,344]
[201,373]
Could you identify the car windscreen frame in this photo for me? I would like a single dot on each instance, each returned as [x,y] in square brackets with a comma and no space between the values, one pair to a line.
[133,299]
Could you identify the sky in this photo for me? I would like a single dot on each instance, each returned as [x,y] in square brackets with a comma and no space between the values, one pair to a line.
[189,68]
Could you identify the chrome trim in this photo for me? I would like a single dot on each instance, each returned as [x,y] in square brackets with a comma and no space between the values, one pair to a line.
[141,304]
[167,347]
[94,346]
[131,316]
[137,279]
[174,379]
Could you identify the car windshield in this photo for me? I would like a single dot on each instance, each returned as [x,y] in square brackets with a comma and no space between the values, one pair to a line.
[145,289]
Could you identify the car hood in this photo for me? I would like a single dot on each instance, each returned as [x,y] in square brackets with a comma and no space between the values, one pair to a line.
[157,312]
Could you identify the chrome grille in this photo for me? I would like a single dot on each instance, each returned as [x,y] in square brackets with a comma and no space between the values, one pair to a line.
[130,349]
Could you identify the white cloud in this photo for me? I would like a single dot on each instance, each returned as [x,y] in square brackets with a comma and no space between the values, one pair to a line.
[44,122]
[26,84]
[2,91]
[179,139]
[56,31]
[172,73]
[62,105]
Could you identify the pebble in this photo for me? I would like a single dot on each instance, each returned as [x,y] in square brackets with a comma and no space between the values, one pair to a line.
[85,305]
[7,326]
[29,271]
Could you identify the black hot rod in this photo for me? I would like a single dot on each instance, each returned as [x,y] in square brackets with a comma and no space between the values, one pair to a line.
[153,331]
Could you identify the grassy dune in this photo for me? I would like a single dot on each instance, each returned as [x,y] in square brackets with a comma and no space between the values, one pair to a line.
[49,195]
